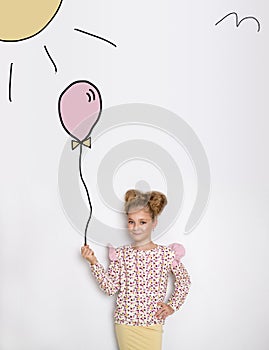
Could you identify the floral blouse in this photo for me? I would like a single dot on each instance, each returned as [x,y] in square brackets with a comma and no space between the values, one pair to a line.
[140,277]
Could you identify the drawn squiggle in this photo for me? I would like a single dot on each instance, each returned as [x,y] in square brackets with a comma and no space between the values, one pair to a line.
[238,23]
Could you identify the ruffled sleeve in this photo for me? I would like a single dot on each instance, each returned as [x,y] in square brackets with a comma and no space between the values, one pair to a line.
[179,251]
[109,281]
[112,253]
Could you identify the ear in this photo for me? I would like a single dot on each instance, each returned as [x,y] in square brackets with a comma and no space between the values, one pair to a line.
[155,222]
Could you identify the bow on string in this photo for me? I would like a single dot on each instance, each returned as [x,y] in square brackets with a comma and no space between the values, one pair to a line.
[86,143]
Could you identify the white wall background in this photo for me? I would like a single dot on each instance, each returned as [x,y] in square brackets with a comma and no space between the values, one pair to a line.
[171,54]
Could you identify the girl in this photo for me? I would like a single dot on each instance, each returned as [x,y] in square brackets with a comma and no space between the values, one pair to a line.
[139,273]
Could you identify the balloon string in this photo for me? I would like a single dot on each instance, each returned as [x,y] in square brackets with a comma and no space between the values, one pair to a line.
[80,173]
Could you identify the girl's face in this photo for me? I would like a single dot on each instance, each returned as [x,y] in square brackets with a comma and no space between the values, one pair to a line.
[140,225]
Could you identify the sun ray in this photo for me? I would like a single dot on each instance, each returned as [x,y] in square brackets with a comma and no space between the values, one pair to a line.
[10,82]
[95,36]
[47,52]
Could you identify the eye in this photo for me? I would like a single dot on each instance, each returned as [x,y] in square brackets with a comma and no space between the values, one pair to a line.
[143,222]
[130,222]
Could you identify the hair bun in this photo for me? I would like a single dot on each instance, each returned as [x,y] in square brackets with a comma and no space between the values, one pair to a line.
[130,194]
[157,202]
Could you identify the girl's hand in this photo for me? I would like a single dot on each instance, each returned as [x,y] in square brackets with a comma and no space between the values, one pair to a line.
[88,254]
[164,311]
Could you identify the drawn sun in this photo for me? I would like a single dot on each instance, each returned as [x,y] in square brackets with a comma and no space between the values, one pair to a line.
[22,19]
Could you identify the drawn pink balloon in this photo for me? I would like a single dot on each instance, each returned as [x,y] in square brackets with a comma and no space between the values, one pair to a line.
[80,106]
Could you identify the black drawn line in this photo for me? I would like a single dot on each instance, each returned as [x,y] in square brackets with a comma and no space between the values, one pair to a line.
[10,79]
[238,23]
[88,196]
[55,67]
[96,36]
[92,93]
[89,95]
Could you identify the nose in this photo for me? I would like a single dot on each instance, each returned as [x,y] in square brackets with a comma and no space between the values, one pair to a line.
[136,226]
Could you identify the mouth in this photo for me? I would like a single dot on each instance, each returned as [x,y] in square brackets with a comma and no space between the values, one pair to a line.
[137,233]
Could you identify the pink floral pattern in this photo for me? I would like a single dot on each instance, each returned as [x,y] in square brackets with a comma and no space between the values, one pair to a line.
[140,278]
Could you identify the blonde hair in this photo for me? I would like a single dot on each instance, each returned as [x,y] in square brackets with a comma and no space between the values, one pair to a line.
[152,202]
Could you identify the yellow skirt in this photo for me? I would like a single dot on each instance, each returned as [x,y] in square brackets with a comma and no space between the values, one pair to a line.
[139,337]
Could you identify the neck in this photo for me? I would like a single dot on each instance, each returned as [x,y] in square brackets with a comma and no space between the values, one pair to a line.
[140,245]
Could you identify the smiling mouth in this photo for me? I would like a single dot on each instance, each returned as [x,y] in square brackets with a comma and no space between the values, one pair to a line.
[137,233]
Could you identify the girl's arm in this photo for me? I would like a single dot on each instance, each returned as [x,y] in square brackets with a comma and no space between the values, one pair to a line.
[109,281]
[182,279]
[181,286]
